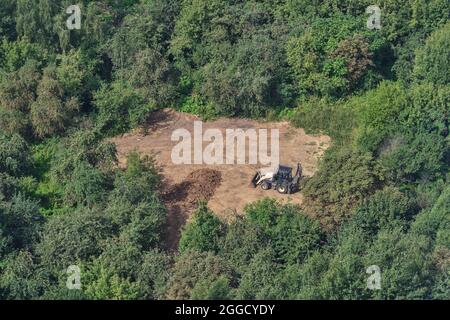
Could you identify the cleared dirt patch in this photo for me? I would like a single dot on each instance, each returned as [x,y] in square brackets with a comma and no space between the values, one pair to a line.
[227,188]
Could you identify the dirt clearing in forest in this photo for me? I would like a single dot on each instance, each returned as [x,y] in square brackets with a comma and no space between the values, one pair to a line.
[225,187]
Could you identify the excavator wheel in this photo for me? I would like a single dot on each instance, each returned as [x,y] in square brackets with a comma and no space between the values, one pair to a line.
[282,188]
[265,185]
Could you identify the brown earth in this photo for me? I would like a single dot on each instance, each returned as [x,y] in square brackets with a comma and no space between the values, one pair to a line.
[225,187]
[182,198]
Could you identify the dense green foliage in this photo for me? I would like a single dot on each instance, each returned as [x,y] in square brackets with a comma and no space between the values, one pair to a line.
[380,197]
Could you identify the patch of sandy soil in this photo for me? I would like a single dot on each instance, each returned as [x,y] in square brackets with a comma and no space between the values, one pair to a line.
[232,189]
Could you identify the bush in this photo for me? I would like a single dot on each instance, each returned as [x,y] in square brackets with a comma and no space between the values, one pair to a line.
[193,269]
[14,155]
[332,55]
[73,237]
[120,108]
[321,116]
[52,111]
[414,157]
[195,105]
[202,233]
[344,178]
[378,114]
[432,60]
[384,209]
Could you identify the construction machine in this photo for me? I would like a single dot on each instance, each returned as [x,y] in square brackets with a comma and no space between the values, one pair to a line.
[280,179]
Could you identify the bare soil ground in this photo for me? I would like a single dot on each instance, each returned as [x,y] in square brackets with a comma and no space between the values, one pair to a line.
[182,198]
[226,188]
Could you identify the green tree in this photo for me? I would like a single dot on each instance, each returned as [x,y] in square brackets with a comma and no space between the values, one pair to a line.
[193,267]
[263,214]
[17,93]
[51,112]
[289,232]
[295,236]
[69,238]
[20,277]
[406,265]
[14,155]
[142,223]
[7,23]
[384,209]
[322,116]
[154,77]
[345,177]
[84,146]
[103,284]
[216,290]
[378,114]
[356,54]
[427,109]
[304,281]
[153,274]
[412,157]
[34,20]
[203,232]
[118,107]
[75,73]
[21,222]
[332,54]
[232,54]
[133,204]
[407,151]
[432,60]
[240,243]
[139,181]
[14,55]
[429,221]
[87,186]
[258,281]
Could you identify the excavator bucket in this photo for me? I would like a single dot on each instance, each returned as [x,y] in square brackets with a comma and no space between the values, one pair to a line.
[299,171]
[255,179]
[295,183]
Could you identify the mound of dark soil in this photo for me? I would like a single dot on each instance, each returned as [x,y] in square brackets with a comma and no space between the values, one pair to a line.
[183,197]
[203,184]
[199,185]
